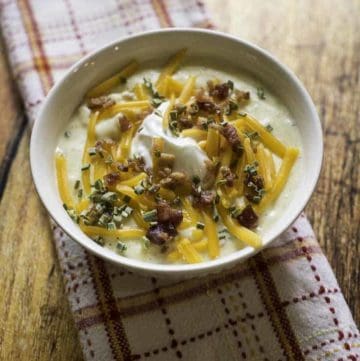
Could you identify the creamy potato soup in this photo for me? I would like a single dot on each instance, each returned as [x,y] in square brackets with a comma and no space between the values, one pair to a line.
[179,164]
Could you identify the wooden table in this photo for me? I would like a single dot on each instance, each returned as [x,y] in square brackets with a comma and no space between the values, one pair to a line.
[319,40]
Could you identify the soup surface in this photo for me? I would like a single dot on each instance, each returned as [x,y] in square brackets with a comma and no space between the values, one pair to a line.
[178,166]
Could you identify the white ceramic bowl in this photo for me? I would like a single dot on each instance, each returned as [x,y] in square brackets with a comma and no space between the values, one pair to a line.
[67,94]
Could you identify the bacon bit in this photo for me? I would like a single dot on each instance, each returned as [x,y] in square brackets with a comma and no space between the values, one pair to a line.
[166,214]
[122,167]
[220,91]
[124,123]
[164,172]
[228,175]
[111,179]
[248,218]
[174,180]
[209,107]
[204,199]
[254,184]
[161,233]
[185,122]
[137,164]
[255,179]
[210,176]
[101,102]
[241,96]
[166,160]
[201,96]
[231,135]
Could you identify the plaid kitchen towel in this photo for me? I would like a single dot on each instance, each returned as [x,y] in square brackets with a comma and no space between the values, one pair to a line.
[283,304]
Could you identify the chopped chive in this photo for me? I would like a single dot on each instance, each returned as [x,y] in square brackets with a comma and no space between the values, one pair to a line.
[121,247]
[230,84]
[85,167]
[139,190]
[117,219]
[194,108]
[269,128]
[260,93]
[200,225]
[80,193]
[150,216]
[146,242]
[216,218]
[217,199]
[99,240]
[236,212]
[98,185]
[174,115]
[111,225]
[77,184]
[222,237]
[252,135]
[109,197]
[196,179]
[92,151]
[128,210]
[127,199]
[157,112]
[242,114]
[67,134]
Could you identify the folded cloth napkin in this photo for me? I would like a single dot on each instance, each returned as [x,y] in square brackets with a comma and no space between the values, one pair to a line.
[283,304]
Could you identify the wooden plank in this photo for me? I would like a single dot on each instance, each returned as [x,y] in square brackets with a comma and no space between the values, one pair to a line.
[318,40]
[12,121]
[34,313]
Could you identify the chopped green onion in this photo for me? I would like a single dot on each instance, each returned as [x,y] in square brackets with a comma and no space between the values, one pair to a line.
[150,216]
[109,197]
[111,225]
[121,247]
[127,199]
[196,179]
[139,190]
[99,240]
[216,218]
[67,134]
[260,93]
[230,84]
[80,193]
[77,184]
[85,167]
[98,185]
[92,151]
[174,115]
[146,242]
[269,128]
[200,225]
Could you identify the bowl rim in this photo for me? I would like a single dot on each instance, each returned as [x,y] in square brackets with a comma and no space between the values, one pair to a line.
[178,269]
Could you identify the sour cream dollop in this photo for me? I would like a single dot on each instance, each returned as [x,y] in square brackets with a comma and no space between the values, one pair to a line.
[189,157]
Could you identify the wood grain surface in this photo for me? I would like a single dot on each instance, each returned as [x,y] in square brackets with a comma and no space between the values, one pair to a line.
[319,41]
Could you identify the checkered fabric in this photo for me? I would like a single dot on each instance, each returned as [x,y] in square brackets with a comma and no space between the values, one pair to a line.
[283,304]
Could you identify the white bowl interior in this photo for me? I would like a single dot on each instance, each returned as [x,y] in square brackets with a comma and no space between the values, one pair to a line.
[157,46]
